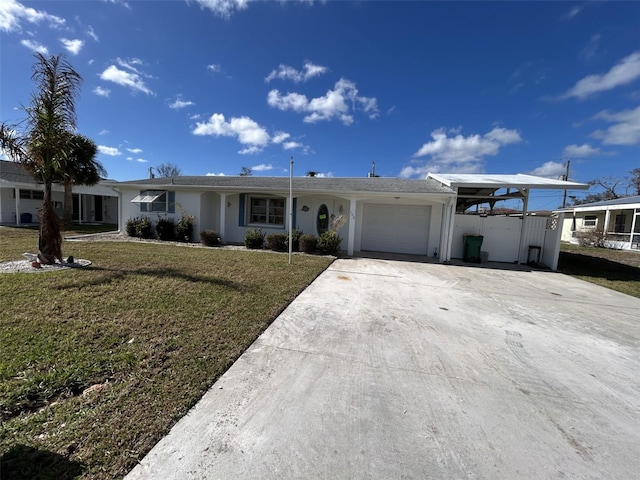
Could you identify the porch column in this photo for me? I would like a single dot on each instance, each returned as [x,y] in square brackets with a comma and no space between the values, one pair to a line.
[525,206]
[223,213]
[17,195]
[352,226]
[636,213]
[607,219]
[80,208]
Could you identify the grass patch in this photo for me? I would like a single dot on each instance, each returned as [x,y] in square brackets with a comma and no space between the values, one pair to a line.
[147,327]
[615,269]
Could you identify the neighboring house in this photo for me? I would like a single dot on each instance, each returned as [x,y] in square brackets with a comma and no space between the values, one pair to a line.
[420,217]
[618,219]
[21,197]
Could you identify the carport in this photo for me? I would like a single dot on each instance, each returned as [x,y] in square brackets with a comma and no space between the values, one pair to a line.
[476,189]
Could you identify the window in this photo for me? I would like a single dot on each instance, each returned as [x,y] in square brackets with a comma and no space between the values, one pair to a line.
[31,194]
[267,211]
[590,220]
[156,201]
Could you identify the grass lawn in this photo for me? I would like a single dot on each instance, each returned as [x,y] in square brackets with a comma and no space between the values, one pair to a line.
[147,328]
[615,269]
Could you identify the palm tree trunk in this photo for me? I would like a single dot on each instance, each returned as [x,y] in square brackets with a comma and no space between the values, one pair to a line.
[50,238]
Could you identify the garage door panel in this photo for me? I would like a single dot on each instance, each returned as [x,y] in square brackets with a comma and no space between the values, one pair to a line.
[395,228]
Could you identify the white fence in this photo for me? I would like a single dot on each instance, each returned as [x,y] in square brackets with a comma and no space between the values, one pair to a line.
[502,238]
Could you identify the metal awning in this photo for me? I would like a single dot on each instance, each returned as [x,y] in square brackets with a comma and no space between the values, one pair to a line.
[149,196]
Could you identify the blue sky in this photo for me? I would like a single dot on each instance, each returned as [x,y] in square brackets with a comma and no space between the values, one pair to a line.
[416,87]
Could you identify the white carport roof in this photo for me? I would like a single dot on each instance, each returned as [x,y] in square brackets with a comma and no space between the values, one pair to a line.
[503,181]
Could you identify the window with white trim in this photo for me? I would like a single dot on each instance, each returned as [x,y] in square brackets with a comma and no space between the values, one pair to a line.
[266,211]
[590,221]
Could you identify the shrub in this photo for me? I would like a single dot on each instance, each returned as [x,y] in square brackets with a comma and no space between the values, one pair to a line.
[184,228]
[164,229]
[143,228]
[308,243]
[329,242]
[277,242]
[295,236]
[591,238]
[139,227]
[254,239]
[210,238]
[131,225]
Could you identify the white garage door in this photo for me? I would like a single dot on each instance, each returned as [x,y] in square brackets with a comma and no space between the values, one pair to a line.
[395,228]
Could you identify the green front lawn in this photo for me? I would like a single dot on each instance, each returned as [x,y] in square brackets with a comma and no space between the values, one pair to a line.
[149,327]
[615,269]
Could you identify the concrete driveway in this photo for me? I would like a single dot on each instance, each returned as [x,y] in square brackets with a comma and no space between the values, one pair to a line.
[397,370]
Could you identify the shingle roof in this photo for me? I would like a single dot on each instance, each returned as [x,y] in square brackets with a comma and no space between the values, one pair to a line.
[14,173]
[308,184]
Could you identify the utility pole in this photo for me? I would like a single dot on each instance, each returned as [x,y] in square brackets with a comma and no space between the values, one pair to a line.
[565,177]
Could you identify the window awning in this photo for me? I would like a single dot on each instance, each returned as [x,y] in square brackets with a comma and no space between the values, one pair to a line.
[149,196]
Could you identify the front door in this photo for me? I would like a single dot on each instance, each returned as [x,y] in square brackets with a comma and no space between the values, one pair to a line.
[322,222]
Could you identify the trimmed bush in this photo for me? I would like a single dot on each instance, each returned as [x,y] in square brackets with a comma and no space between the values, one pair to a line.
[210,238]
[295,236]
[184,228]
[277,242]
[164,229]
[139,227]
[329,243]
[130,226]
[254,239]
[308,243]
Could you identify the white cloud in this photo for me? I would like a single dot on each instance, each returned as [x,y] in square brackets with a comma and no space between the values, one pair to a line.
[244,129]
[223,8]
[119,2]
[280,137]
[572,13]
[72,46]
[263,167]
[35,46]
[285,72]
[111,151]
[103,132]
[590,51]
[293,145]
[141,160]
[213,68]
[550,170]
[92,33]
[324,175]
[338,103]
[102,92]
[134,150]
[215,174]
[123,78]
[12,13]
[624,72]
[580,151]
[179,103]
[457,153]
[625,129]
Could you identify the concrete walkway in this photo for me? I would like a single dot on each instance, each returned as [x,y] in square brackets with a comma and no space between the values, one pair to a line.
[396,370]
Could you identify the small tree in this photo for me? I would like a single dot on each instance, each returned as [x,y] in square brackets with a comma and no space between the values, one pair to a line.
[246,172]
[43,145]
[634,181]
[167,170]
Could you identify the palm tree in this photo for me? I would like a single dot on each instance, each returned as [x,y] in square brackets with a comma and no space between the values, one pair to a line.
[81,168]
[43,146]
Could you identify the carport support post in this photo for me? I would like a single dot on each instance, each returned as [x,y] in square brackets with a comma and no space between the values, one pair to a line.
[446,234]
[525,206]
[352,226]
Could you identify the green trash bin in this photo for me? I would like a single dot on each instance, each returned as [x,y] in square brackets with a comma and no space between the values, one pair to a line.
[471,248]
